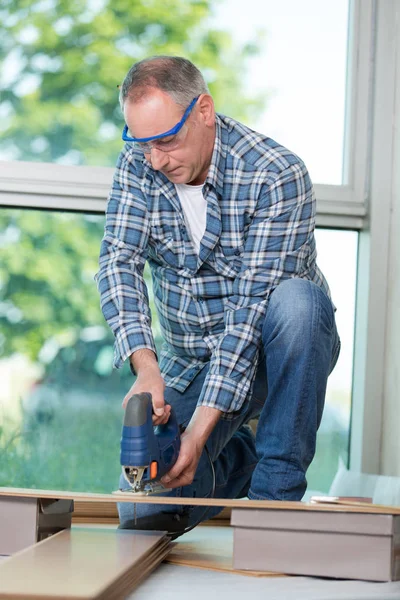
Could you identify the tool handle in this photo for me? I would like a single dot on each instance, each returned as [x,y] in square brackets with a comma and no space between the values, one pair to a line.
[141,442]
[137,410]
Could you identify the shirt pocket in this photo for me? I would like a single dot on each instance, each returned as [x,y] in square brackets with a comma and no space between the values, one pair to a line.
[230,252]
[167,246]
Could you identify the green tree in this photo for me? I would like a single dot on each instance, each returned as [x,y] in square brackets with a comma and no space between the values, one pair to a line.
[63,59]
[46,277]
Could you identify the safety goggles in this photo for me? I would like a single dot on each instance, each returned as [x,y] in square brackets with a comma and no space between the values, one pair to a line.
[176,135]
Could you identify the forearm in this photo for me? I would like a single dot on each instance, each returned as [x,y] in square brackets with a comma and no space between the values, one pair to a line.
[149,380]
[144,360]
[202,423]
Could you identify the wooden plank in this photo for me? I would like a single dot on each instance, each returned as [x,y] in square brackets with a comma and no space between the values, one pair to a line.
[242,503]
[95,509]
[107,509]
[83,564]
[95,520]
[209,548]
[106,512]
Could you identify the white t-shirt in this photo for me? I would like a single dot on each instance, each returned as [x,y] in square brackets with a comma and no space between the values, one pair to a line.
[194,208]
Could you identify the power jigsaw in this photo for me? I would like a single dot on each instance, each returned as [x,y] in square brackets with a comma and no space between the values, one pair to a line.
[147,452]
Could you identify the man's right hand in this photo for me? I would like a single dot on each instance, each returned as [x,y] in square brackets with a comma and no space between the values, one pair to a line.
[149,380]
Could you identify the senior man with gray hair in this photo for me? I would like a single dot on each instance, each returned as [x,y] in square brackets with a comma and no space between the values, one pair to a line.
[225,217]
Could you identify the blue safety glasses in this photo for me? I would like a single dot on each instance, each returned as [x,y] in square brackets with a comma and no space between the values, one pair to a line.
[143,144]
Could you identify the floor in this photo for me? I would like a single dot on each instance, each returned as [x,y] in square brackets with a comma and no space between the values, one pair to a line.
[173,582]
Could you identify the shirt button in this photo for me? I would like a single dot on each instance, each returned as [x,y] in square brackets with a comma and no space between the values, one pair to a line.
[237,252]
[200,299]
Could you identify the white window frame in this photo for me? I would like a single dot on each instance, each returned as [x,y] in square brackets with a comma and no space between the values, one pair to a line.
[373,264]
[353,205]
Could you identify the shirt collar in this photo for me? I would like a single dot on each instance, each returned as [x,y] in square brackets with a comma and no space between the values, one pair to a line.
[215,176]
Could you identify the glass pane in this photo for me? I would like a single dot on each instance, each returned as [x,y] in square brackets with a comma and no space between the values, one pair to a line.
[300,72]
[281,70]
[337,257]
[60,399]
[60,418]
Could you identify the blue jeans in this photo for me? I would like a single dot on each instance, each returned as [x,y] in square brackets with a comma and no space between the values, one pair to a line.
[300,347]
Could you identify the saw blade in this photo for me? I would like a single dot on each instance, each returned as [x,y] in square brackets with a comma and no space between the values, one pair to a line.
[129,493]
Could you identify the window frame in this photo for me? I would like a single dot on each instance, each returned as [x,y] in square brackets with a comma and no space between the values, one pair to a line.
[373,284]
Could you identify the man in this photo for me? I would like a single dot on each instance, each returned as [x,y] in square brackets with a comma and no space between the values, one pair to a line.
[225,218]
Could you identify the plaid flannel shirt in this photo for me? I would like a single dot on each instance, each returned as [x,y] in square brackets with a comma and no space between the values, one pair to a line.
[211,306]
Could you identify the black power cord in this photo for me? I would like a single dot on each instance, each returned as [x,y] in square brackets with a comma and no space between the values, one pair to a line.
[173,535]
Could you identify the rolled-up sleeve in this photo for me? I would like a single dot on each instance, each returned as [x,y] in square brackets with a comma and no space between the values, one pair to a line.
[123,292]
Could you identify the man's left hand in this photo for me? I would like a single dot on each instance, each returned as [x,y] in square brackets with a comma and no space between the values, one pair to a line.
[193,440]
[183,471]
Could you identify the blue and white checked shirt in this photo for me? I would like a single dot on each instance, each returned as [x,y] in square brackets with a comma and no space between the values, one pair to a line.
[211,306]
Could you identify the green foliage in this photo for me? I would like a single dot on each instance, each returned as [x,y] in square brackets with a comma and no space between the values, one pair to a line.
[66,58]
[75,451]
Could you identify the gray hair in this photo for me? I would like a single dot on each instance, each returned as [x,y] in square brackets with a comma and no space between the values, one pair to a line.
[174,75]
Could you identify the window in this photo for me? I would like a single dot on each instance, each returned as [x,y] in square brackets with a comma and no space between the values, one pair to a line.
[53,110]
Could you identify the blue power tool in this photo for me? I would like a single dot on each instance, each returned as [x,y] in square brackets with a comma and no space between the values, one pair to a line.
[147,452]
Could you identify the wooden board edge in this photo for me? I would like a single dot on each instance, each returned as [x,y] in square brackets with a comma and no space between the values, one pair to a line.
[221,502]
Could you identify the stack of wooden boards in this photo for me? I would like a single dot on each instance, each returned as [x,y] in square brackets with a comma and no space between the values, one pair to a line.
[346,545]
[92,564]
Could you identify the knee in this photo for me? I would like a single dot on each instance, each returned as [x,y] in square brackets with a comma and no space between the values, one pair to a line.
[292,300]
[295,306]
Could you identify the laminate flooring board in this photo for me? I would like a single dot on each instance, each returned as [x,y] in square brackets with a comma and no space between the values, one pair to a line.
[209,548]
[359,507]
[83,564]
